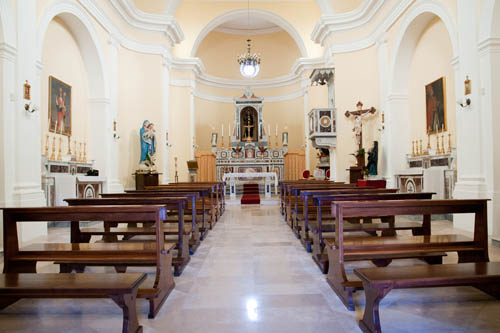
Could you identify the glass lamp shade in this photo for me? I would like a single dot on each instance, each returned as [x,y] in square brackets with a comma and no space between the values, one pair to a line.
[249,69]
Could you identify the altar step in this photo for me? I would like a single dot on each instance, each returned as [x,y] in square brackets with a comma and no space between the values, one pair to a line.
[239,189]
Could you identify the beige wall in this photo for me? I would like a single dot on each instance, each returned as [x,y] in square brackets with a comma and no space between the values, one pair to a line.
[219,52]
[62,59]
[139,98]
[431,60]
[351,86]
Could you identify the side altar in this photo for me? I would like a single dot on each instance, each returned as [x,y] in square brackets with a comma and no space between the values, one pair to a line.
[250,145]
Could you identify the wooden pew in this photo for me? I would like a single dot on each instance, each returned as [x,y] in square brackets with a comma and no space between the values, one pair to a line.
[196,223]
[207,193]
[201,211]
[302,214]
[121,288]
[282,186]
[158,254]
[177,204]
[342,249]
[379,281]
[292,197]
[214,194]
[220,191]
[388,228]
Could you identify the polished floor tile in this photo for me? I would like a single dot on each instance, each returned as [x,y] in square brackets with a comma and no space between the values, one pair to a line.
[252,275]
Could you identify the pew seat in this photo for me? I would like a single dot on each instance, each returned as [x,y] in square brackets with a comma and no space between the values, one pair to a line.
[121,288]
[379,281]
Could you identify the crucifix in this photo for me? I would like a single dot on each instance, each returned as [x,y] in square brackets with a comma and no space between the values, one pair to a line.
[248,131]
[359,114]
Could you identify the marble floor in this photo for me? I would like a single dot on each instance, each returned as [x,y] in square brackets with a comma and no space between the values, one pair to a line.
[252,275]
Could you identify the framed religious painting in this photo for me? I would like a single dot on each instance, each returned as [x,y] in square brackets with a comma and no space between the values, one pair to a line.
[59,107]
[435,106]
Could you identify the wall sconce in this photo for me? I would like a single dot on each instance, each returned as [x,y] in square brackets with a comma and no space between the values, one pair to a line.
[31,108]
[166,138]
[115,133]
[467,91]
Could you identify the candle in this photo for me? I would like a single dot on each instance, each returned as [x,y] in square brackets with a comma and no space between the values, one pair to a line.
[276,133]
[268,130]
[166,135]
[229,131]
[222,129]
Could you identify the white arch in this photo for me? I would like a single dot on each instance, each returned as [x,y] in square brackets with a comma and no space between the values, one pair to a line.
[88,41]
[235,14]
[7,24]
[415,22]
[488,26]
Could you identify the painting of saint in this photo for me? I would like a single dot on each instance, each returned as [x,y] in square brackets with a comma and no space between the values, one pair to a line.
[435,104]
[59,106]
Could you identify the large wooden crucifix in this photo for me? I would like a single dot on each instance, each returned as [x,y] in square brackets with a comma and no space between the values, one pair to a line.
[359,114]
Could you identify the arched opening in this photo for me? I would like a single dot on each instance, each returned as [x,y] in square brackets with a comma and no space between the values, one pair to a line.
[397,139]
[80,64]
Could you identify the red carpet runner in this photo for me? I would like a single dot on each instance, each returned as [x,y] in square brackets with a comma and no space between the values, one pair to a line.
[250,194]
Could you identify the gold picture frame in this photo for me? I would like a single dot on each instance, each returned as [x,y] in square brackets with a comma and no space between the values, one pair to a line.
[435,106]
[60,111]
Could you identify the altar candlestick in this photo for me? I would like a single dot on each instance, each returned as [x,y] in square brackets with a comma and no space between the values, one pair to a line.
[229,131]
[421,147]
[222,130]
[269,131]
[276,132]
[60,149]
[47,146]
[80,155]
[449,143]
[85,152]
[443,151]
[69,145]
[428,141]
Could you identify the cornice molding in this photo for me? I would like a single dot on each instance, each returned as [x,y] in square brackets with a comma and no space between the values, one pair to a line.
[376,34]
[262,31]
[230,99]
[8,52]
[345,21]
[489,45]
[166,24]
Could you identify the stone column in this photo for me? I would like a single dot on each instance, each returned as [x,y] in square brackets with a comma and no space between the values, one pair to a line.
[166,85]
[306,129]
[383,79]
[113,181]
[25,136]
[471,156]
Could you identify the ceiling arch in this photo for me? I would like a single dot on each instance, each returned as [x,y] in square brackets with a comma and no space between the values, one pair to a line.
[242,13]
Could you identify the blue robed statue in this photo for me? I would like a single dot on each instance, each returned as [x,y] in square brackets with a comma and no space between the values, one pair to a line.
[148,142]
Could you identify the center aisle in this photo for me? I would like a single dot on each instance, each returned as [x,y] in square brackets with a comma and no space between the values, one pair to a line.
[252,275]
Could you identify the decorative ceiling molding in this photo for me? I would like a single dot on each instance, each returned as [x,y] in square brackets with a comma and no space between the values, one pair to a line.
[262,31]
[345,21]
[373,36]
[166,23]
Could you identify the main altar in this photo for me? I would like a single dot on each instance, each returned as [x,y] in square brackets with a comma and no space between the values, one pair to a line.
[250,144]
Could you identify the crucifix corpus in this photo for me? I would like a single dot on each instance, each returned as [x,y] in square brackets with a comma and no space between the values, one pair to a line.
[358,115]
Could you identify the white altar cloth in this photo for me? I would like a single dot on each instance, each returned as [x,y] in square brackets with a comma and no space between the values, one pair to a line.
[266,175]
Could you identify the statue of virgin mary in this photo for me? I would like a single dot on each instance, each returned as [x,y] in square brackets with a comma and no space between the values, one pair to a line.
[148,143]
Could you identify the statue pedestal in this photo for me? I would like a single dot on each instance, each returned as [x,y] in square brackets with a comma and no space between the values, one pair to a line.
[143,179]
[355,173]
